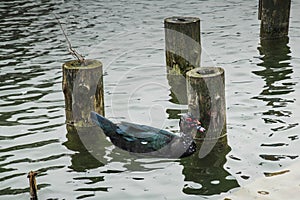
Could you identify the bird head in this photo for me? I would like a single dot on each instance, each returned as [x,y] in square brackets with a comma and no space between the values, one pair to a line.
[188,123]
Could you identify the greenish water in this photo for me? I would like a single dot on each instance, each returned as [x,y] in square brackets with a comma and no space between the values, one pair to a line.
[262,98]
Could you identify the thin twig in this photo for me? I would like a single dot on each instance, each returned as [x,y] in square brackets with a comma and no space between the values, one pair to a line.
[74,53]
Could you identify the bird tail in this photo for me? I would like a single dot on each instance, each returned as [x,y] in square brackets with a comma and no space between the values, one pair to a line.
[105,124]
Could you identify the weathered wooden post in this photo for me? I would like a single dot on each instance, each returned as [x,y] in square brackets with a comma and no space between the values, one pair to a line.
[32,185]
[206,100]
[183,46]
[274,16]
[83,91]
[183,52]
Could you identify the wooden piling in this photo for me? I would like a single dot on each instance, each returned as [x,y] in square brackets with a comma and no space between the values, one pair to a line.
[206,100]
[274,16]
[83,91]
[183,46]
[183,52]
[32,185]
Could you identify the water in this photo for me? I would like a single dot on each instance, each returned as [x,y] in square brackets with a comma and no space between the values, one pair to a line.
[262,90]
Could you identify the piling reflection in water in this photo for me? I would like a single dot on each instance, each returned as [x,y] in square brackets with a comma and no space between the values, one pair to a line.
[207,176]
[276,73]
[82,160]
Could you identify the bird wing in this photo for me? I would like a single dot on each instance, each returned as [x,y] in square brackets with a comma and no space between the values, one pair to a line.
[145,133]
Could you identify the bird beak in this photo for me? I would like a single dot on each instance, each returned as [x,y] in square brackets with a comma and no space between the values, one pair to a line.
[198,126]
[201,129]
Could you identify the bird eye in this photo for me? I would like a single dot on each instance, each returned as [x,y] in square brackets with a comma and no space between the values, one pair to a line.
[189,119]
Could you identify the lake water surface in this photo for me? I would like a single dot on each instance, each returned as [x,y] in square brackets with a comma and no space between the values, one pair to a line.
[262,98]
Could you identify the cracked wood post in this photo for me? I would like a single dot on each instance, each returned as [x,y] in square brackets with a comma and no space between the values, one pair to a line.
[274,16]
[183,52]
[206,101]
[83,90]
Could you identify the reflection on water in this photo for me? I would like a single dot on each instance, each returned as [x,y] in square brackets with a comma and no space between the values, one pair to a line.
[276,72]
[82,160]
[207,176]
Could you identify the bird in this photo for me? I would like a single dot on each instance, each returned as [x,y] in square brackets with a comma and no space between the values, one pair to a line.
[150,141]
